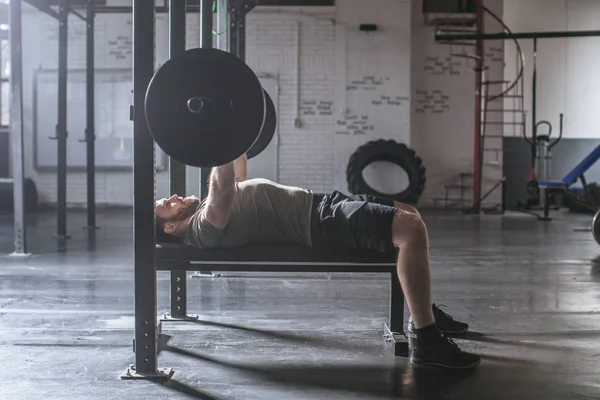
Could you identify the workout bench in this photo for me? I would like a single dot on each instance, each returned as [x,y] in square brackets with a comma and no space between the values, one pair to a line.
[285,258]
[552,187]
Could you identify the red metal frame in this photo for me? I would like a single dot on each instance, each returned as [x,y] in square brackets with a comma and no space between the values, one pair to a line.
[479,63]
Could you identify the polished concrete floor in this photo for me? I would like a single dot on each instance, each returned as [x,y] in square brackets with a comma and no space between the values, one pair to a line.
[530,290]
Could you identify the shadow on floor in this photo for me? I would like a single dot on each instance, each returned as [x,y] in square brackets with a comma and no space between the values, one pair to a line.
[188,390]
[305,340]
[401,379]
[480,337]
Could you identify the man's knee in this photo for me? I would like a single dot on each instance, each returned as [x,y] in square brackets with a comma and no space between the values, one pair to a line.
[407,228]
[406,207]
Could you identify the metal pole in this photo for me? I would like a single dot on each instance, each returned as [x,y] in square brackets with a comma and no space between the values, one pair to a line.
[61,127]
[534,96]
[177,173]
[241,8]
[222,26]
[232,31]
[90,134]
[479,62]
[206,40]
[144,193]
[16,128]
[518,35]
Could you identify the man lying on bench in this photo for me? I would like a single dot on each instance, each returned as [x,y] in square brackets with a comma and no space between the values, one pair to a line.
[258,211]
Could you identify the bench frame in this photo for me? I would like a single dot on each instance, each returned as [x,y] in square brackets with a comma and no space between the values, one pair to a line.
[394,335]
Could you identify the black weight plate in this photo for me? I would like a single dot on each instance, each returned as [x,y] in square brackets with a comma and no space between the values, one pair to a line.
[596,227]
[205,107]
[268,130]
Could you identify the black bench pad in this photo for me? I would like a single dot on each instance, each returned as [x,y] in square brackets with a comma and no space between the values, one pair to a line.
[175,256]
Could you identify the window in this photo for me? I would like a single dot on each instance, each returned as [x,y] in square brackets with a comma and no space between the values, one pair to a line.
[449,6]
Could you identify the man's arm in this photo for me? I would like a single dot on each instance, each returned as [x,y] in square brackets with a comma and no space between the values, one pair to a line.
[240,168]
[221,188]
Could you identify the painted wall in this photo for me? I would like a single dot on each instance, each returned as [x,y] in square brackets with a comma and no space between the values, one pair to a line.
[372,83]
[567,81]
[443,108]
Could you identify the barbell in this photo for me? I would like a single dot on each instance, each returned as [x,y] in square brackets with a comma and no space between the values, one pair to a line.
[596,227]
[206,107]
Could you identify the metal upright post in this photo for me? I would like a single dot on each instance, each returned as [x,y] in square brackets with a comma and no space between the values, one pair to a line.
[90,132]
[479,63]
[237,17]
[144,177]
[61,126]
[177,175]
[534,98]
[222,30]
[16,127]
[206,41]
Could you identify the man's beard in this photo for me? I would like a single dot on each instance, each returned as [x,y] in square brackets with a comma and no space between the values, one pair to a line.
[191,204]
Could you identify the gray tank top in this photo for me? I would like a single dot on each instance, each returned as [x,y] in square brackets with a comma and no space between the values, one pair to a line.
[264,212]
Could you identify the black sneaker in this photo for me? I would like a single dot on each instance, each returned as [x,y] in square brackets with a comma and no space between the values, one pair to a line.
[444,322]
[444,354]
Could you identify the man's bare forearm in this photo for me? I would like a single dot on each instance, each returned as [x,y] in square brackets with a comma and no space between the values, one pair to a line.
[221,189]
[240,168]
[222,180]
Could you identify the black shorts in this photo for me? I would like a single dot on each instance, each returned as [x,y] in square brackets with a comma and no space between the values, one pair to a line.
[352,222]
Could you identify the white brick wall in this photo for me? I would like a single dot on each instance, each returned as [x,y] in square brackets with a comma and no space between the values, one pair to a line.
[367,67]
[296,46]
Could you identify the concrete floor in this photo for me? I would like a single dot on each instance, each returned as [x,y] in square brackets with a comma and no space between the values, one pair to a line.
[530,290]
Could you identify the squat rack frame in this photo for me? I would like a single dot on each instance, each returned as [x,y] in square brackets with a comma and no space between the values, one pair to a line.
[16,120]
[147,331]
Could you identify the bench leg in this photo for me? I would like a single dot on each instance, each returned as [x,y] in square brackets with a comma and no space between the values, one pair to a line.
[393,333]
[547,198]
[179,299]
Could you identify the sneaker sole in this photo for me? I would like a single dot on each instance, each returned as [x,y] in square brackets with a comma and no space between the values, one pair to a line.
[441,365]
[412,330]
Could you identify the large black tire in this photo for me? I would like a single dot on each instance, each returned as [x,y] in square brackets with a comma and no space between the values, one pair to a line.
[30,196]
[388,151]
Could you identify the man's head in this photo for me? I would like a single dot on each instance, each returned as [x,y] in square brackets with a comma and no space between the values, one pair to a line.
[173,214]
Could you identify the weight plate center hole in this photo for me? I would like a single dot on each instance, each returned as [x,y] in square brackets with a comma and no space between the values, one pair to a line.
[199,105]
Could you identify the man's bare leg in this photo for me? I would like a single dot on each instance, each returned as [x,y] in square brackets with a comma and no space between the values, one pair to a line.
[409,234]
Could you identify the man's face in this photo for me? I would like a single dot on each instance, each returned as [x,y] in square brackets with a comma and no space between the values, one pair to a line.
[176,209]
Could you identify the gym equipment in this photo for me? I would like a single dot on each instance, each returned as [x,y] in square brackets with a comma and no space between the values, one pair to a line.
[541,146]
[389,151]
[268,130]
[544,144]
[582,200]
[284,258]
[201,144]
[596,227]
[577,173]
[205,107]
